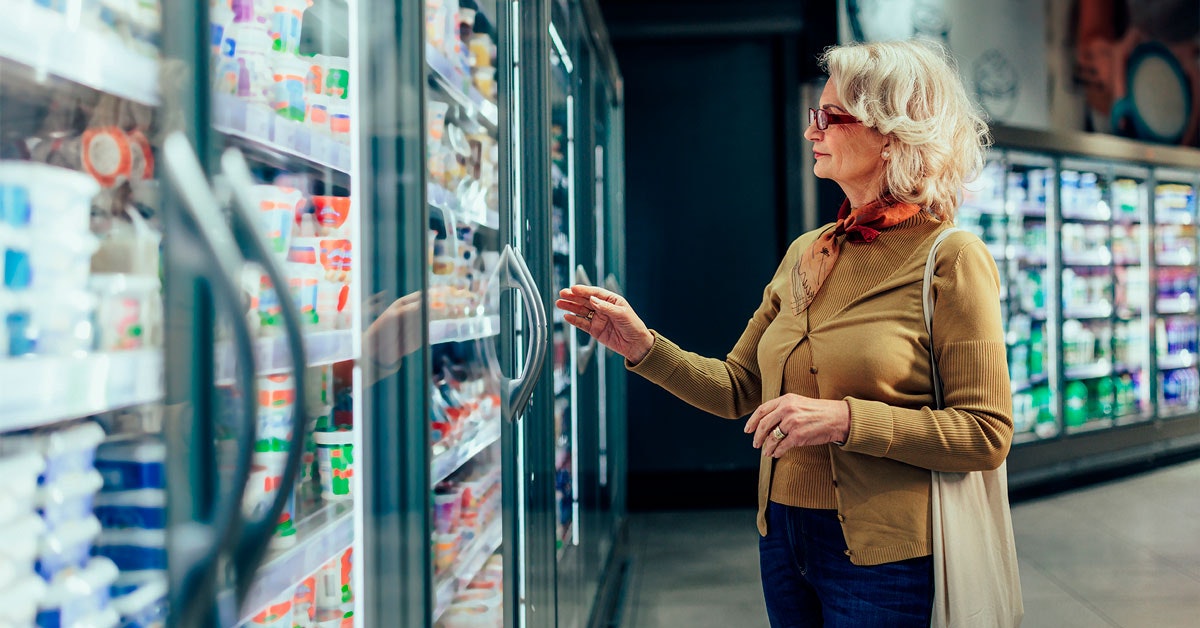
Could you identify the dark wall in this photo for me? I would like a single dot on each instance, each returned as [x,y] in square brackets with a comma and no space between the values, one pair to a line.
[712,200]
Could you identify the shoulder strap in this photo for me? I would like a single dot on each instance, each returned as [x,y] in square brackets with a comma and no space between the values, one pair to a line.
[927,304]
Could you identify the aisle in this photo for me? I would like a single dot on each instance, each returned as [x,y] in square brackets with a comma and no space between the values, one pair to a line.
[1122,554]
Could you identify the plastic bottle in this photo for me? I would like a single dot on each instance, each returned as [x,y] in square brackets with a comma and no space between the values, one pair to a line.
[1104,401]
[1076,396]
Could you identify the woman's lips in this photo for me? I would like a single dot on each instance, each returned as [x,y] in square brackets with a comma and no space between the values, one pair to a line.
[817,155]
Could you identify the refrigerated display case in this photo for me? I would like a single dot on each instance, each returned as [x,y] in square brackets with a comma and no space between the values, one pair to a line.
[80,314]
[1095,241]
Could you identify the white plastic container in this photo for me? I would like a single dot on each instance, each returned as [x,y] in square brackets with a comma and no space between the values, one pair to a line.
[335,464]
[144,607]
[69,498]
[73,598]
[19,601]
[19,551]
[60,199]
[20,473]
[134,549]
[65,450]
[128,310]
[67,547]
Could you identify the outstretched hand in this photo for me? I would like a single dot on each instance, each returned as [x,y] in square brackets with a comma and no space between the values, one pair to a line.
[608,318]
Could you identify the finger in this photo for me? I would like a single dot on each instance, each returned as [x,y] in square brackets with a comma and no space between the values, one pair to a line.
[586,291]
[600,305]
[579,322]
[757,416]
[769,446]
[767,424]
[572,307]
[783,446]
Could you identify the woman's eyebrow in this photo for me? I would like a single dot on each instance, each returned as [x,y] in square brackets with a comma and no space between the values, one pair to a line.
[832,107]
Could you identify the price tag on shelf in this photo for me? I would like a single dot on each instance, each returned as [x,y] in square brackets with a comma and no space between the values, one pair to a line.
[259,122]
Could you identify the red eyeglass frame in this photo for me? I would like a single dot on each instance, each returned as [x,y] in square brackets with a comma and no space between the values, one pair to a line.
[825,118]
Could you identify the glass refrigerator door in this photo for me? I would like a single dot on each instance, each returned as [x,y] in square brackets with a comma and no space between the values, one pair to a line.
[1087,296]
[1130,200]
[80,314]
[1029,193]
[472,405]
[1174,294]
[283,113]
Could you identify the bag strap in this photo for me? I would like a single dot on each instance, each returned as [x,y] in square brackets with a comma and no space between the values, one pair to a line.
[927,304]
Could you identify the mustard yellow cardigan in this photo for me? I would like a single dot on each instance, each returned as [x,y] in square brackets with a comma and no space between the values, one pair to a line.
[863,339]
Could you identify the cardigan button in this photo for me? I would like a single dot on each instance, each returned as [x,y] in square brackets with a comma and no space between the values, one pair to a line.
[841,517]
[849,553]
[835,484]
[812,369]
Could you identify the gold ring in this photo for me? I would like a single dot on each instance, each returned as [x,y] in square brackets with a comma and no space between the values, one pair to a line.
[778,434]
[590,314]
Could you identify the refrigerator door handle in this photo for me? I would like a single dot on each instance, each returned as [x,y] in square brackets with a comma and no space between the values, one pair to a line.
[186,176]
[514,273]
[611,284]
[252,544]
[585,353]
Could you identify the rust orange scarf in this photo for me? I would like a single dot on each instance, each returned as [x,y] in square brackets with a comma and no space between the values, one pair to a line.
[860,225]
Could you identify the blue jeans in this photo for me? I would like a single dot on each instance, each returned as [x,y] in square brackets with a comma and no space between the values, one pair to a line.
[808,580]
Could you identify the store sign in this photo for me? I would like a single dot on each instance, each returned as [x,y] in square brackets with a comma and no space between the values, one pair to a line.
[1000,46]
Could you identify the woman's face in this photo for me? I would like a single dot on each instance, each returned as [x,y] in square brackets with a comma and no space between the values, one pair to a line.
[849,154]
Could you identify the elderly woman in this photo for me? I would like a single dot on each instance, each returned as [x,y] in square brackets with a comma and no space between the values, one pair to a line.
[834,364]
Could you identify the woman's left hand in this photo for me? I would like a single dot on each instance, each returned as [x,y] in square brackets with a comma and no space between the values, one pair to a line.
[802,420]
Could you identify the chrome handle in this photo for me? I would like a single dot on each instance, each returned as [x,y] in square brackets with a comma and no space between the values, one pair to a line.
[585,353]
[515,393]
[197,598]
[255,537]
[611,284]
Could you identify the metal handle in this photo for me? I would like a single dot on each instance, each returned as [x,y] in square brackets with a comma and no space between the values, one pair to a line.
[515,393]
[195,602]
[585,353]
[611,284]
[256,535]
[451,220]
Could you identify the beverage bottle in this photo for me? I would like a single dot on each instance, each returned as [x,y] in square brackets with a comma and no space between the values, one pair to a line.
[1171,388]
[1076,410]
[1037,353]
[1104,402]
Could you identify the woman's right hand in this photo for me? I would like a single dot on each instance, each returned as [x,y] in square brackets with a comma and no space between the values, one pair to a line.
[608,318]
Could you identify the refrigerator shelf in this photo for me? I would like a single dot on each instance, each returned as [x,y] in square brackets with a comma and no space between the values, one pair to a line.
[260,129]
[1131,419]
[41,39]
[1031,209]
[1104,216]
[456,85]
[271,354]
[1181,257]
[454,458]
[463,329]
[321,537]
[43,390]
[470,562]
[1025,437]
[1101,309]
[443,199]
[1100,257]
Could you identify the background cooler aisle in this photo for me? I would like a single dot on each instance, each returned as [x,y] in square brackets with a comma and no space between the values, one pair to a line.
[80,317]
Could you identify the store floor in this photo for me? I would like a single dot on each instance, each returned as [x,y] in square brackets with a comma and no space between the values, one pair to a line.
[1125,553]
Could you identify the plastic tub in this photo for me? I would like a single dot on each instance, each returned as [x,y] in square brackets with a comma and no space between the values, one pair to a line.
[67,546]
[144,509]
[63,322]
[65,450]
[340,113]
[130,581]
[277,207]
[278,613]
[60,199]
[20,472]
[285,23]
[290,74]
[243,69]
[276,400]
[134,549]
[69,498]
[337,77]
[18,554]
[128,310]
[130,465]
[144,606]
[266,476]
[74,597]
[19,601]
[15,208]
[331,214]
[335,464]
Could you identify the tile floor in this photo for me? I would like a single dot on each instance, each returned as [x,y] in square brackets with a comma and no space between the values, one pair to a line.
[1121,554]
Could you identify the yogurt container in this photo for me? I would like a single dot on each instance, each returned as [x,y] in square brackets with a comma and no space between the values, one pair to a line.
[337,77]
[66,547]
[276,400]
[20,473]
[278,613]
[290,74]
[143,607]
[19,601]
[65,450]
[143,509]
[75,597]
[128,310]
[18,554]
[285,22]
[335,464]
[243,68]
[59,198]
[133,464]
[69,498]
[304,603]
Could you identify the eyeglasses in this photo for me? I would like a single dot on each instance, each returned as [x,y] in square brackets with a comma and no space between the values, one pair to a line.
[824,118]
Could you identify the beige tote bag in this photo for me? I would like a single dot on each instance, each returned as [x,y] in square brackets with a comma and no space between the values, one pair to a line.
[975,578]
